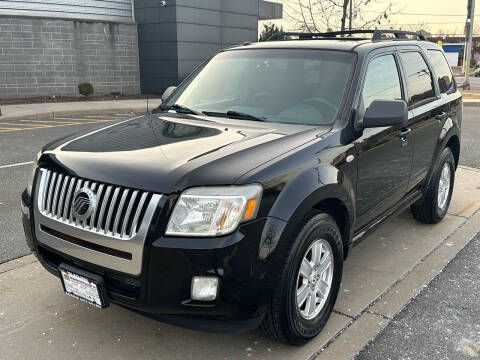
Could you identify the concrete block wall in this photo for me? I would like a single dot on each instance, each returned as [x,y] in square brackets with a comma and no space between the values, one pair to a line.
[51,57]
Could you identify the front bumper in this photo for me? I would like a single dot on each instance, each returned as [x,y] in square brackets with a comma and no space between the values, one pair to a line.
[162,289]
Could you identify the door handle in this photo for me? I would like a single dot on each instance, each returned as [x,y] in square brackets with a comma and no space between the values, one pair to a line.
[441,116]
[404,132]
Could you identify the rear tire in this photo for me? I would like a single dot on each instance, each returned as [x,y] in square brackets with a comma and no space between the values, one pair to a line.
[287,321]
[433,207]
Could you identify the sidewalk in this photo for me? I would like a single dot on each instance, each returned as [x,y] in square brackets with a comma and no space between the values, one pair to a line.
[25,111]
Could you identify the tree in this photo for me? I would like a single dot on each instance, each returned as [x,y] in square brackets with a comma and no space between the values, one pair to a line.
[333,15]
[271,32]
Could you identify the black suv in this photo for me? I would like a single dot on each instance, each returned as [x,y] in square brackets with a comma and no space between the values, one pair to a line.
[234,204]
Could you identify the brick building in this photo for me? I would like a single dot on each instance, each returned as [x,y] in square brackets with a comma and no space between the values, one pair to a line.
[48,47]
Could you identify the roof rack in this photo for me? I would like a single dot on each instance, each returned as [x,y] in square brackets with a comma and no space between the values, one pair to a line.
[377,35]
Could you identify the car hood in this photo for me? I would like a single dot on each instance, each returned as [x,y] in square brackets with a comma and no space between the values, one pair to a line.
[169,152]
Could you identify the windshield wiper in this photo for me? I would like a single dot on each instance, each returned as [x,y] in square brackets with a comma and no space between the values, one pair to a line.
[235,115]
[244,116]
[180,109]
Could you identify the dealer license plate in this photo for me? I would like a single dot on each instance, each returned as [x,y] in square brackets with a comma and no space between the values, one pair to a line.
[83,286]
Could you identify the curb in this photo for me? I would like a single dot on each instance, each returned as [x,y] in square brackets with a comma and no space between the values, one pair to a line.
[53,114]
[471,103]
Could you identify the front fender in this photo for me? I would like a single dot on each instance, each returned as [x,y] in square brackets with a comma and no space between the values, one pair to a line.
[300,195]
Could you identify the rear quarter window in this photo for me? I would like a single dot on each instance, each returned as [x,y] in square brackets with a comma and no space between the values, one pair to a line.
[443,72]
[419,80]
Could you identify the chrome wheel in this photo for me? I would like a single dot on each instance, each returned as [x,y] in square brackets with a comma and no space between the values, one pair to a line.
[314,279]
[444,186]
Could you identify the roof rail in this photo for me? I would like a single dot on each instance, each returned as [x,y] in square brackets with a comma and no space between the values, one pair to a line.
[377,35]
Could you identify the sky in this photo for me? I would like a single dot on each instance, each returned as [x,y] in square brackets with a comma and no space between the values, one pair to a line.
[436,16]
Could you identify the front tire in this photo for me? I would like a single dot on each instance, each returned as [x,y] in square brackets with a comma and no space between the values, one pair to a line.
[433,207]
[308,282]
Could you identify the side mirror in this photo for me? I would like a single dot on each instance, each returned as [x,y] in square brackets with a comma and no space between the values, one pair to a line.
[169,91]
[386,113]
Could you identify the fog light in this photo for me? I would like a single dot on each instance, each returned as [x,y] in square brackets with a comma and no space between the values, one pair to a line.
[204,288]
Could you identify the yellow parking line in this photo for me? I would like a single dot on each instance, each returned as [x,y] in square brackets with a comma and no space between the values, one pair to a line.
[83,120]
[18,129]
[52,121]
[102,116]
[43,127]
[13,124]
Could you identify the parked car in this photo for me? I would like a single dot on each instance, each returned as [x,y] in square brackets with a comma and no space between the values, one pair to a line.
[235,203]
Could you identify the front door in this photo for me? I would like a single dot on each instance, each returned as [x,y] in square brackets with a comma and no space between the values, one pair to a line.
[384,153]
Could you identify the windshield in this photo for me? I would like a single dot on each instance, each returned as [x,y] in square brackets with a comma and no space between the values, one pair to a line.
[276,85]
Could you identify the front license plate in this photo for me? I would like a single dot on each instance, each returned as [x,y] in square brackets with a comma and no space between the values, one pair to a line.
[83,286]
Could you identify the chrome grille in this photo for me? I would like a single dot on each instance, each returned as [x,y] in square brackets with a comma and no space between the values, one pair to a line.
[118,212]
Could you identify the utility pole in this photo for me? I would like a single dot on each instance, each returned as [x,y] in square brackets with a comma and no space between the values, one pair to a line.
[350,17]
[468,41]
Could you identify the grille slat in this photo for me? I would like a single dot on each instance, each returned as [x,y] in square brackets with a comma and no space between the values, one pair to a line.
[50,193]
[55,196]
[110,210]
[133,226]
[118,211]
[61,200]
[66,208]
[77,187]
[94,215]
[101,215]
[44,190]
[129,211]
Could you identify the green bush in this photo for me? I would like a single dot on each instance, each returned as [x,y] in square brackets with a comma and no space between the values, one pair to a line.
[85,89]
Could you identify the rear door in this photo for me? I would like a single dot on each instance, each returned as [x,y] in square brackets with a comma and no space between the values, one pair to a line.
[384,153]
[427,106]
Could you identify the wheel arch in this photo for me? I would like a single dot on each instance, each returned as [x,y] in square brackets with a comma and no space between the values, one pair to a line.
[324,188]
[454,144]
[337,209]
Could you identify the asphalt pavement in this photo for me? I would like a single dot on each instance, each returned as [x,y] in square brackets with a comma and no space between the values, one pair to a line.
[20,141]
[443,322]
[470,146]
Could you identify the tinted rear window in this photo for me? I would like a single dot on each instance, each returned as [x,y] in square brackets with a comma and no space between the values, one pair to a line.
[442,71]
[419,79]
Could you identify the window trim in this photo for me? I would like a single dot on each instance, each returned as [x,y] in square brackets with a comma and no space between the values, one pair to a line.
[399,73]
[436,90]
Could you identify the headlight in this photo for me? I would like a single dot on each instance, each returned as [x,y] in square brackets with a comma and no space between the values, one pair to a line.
[210,211]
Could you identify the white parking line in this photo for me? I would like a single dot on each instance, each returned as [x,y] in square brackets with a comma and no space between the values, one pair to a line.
[13,165]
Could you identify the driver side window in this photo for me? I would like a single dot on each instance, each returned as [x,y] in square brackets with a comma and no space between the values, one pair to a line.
[381,81]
